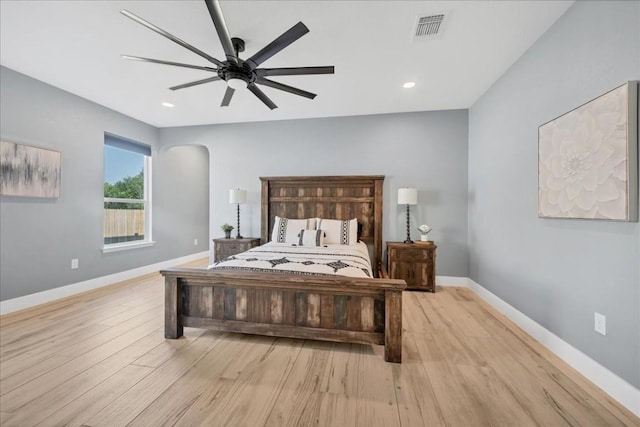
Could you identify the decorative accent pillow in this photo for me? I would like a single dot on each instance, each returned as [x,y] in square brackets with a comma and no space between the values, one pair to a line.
[286,230]
[311,238]
[339,232]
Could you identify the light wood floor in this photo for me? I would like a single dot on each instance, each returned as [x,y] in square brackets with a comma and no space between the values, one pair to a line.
[100,359]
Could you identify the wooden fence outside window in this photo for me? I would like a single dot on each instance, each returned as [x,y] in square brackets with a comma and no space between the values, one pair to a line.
[122,225]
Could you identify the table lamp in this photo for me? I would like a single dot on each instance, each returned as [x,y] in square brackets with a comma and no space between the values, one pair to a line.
[237,197]
[408,196]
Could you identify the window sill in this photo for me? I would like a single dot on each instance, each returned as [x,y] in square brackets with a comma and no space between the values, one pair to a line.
[126,246]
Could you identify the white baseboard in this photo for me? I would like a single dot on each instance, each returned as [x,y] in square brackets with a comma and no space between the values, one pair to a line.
[452,281]
[20,303]
[623,392]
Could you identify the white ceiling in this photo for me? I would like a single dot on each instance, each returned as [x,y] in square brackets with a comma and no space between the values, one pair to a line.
[76,46]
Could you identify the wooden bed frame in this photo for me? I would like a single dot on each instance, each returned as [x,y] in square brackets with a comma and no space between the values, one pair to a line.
[343,309]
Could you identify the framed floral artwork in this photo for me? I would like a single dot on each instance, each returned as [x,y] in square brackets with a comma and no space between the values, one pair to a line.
[588,159]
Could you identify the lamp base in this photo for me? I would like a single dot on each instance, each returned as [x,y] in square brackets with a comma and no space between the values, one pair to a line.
[238,236]
[408,230]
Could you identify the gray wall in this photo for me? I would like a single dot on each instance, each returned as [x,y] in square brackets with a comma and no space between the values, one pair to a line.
[40,237]
[557,272]
[423,150]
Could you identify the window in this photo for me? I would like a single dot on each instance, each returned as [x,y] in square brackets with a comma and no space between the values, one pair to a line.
[127,194]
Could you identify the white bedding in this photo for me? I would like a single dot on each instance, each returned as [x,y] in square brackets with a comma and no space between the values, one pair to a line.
[337,260]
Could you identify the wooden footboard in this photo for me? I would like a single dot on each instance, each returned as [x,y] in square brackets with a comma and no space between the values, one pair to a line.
[367,311]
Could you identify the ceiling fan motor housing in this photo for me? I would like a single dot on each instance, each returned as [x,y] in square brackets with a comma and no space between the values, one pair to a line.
[232,71]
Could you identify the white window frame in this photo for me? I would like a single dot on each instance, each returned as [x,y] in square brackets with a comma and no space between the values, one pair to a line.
[148,228]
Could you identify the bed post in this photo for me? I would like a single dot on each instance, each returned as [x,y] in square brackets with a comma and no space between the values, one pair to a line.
[393,326]
[377,218]
[172,296]
[264,211]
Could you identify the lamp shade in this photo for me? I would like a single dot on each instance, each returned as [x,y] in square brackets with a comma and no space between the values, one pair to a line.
[237,196]
[407,196]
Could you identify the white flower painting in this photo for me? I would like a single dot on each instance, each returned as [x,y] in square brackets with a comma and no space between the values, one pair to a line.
[584,163]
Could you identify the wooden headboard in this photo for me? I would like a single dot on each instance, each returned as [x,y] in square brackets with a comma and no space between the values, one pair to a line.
[335,197]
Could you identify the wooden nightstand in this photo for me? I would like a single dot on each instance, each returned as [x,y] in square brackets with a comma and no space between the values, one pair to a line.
[224,248]
[413,262]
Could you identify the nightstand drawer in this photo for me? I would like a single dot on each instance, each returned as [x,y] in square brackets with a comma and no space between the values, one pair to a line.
[410,256]
[231,248]
[224,248]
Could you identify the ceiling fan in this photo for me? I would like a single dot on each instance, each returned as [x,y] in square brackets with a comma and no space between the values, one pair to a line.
[238,73]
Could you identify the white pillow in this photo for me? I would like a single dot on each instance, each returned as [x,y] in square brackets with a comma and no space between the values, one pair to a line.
[311,238]
[286,230]
[338,232]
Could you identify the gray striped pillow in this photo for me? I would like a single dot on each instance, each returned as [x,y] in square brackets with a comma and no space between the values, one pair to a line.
[311,238]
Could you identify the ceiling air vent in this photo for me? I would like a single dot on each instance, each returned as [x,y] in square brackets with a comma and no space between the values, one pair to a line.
[429,27]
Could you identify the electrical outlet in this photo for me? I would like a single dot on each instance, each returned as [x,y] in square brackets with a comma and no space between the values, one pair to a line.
[74,263]
[600,324]
[195,242]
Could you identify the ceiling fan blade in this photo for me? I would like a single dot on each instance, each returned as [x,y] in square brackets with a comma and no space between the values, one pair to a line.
[176,64]
[170,37]
[221,28]
[286,88]
[288,37]
[260,94]
[197,82]
[293,71]
[226,100]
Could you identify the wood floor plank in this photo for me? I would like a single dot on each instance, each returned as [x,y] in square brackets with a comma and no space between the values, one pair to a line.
[416,319]
[100,359]
[176,400]
[258,388]
[87,344]
[341,373]
[27,358]
[90,403]
[417,402]
[508,329]
[489,391]
[81,383]
[298,403]
[85,315]
[59,308]
[458,402]
[559,391]
[30,338]
[22,395]
[448,332]
[208,401]
[168,348]
[245,363]
[377,403]
[215,395]
[337,410]
[131,313]
[31,369]
[134,401]
[555,393]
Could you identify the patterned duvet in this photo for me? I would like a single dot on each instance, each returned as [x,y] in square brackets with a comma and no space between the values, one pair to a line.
[336,260]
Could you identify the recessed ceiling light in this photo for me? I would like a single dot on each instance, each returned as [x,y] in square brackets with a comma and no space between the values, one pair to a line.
[408,85]
[167,104]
